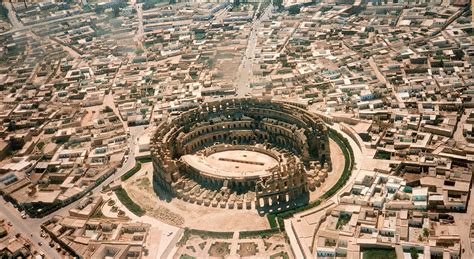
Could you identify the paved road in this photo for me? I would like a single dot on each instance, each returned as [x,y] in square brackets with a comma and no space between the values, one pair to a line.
[18,26]
[358,156]
[29,228]
[458,136]
[109,101]
[129,164]
[381,77]
[244,74]
[140,35]
[219,16]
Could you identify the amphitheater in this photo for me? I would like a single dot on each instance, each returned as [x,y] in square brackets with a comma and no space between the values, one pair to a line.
[242,153]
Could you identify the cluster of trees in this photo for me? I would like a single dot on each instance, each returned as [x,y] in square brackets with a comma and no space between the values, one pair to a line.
[213,234]
[144,160]
[108,109]
[3,12]
[294,9]
[258,233]
[236,3]
[278,3]
[149,4]
[139,51]
[122,195]
[116,6]
[376,253]
[132,171]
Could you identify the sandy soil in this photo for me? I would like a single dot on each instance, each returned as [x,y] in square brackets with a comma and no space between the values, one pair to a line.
[180,213]
[184,214]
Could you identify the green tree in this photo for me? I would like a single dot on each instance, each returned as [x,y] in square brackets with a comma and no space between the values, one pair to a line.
[413,253]
[98,9]
[294,9]
[236,3]
[426,232]
[11,126]
[108,109]
[278,3]
[139,51]
[3,12]
[115,10]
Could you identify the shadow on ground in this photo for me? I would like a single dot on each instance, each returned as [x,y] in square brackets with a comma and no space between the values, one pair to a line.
[161,191]
[165,195]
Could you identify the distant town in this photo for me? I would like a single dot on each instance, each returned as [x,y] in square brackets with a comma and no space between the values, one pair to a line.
[237,129]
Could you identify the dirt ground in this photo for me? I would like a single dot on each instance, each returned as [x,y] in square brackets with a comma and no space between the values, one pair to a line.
[247,249]
[219,249]
[183,214]
[252,247]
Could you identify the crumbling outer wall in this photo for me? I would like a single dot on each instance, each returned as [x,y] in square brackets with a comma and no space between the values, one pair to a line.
[244,121]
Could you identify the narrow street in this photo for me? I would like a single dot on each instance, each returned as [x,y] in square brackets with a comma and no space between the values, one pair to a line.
[20,27]
[382,79]
[140,35]
[458,136]
[129,164]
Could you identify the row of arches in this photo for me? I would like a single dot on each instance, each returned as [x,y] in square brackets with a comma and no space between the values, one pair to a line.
[244,137]
[278,199]
[289,183]
[243,133]
[212,183]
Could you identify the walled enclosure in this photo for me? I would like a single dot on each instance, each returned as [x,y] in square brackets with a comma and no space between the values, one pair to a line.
[285,132]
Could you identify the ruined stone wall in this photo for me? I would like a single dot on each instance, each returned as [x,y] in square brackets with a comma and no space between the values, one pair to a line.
[240,122]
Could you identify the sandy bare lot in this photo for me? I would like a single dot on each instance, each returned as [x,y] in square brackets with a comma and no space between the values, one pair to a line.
[181,213]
